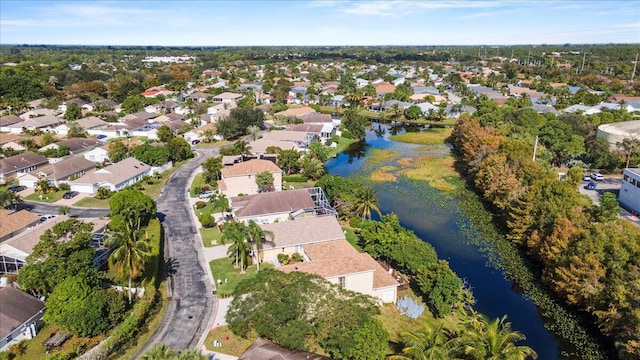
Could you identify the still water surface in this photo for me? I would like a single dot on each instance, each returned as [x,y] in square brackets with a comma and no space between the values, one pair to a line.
[436,219]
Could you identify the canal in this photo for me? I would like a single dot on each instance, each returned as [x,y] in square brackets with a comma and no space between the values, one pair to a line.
[436,218]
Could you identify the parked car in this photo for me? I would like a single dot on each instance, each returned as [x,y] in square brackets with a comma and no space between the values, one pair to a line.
[100,137]
[69,194]
[16,188]
[44,218]
[205,194]
[597,177]
[586,177]
[590,186]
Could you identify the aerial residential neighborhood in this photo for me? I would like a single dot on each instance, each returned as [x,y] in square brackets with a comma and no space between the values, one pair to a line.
[220,197]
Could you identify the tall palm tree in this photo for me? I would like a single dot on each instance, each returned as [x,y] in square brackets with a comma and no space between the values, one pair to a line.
[256,236]
[431,342]
[367,202]
[130,253]
[253,131]
[318,151]
[494,340]
[158,352]
[236,233]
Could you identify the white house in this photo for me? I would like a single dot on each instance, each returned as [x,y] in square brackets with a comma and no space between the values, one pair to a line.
[630,190]
[241,178]
[97,155]
[114,177]
[21,316]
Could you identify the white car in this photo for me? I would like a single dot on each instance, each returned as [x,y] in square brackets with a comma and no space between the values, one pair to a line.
[597,177]
[205,194]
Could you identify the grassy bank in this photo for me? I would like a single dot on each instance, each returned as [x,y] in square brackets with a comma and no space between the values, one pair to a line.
[429,137]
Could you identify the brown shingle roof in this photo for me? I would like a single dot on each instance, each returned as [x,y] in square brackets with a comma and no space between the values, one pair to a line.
[21,161]
[317,118]
[90,122]
[116,173]
[306,128]
[299,112]
[265,350]
[250,167]
[65,168]
[9,120]
[284,135]
[17,307]
[305,231]
[11,221]
[273,202]
[75,144]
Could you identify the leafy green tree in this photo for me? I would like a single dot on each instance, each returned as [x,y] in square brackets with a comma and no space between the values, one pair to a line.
[131,205]
[8,198]
[74,112]
[247,117]
[163,352]
[413,112]
[165,133]
[264,180]
[118,151]
[432,341]
[75,131]
[78,307]
[494,339]
[355,123]
[629,147]
[133,103]
[609,208]
[289,161]
[130,253]
[152,155]
[239,147]
[63,251]
[179,149]
[312,168]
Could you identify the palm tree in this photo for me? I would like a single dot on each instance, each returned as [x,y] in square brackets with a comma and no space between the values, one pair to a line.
[236,233]
[367,202]
[256,236]
[494,340]
[253,131]
[431,342]
[158,352]
[130,253]
[318,151]
[240,147]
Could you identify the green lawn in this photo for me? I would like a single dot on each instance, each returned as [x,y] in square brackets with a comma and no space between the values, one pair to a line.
[92,202]
[154,190]
[210,236]
[198,181]
[352,238]
[235,345]
[223,269]
[46,198]
[342,144]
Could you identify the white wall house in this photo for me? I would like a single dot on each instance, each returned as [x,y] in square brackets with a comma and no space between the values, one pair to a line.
[630,190]
[114,177]
[97,155]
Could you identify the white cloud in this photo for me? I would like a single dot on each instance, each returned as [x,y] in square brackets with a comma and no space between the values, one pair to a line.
[628,26]
[483,14]
[324,3]
[376,8]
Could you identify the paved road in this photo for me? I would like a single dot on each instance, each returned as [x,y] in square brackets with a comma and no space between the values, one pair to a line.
[191,309]
[42,208]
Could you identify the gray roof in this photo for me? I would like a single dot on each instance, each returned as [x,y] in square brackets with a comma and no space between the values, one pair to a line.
[305,230]
[76,144]
[65,168]
[9,120]
[17,307]
[266,350]
[116,173]
[21,161]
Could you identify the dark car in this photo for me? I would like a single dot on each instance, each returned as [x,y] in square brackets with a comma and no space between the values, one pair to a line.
[69,194]
[590,186]
[16,188]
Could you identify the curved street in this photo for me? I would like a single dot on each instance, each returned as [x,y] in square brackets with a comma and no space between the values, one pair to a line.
[42,209]
[192,305]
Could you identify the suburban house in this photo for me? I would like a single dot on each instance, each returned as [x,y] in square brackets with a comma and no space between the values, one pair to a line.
[6,121]
[83,104]
[259,147]
[38,113]
[44,123]
[326,252]
[23,163]
[299,138]
[14,222]
[114,177]
[270,207]
[240,178]
[264,349]
[323,132]
[200,97]
[14,250]
[227,97]
[297,112]
[75,145]
[90,124]
[20,315]
[630,190]
[98,155]
[61,171]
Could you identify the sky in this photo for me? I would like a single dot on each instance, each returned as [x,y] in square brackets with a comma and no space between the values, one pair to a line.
[318,22]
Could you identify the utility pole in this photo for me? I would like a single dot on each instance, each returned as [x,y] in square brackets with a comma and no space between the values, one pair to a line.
[635,64]
[584,57]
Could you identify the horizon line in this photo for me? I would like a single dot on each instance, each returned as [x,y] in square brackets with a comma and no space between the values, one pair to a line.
[329,45]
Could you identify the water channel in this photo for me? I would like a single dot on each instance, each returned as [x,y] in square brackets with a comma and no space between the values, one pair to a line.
[437,219]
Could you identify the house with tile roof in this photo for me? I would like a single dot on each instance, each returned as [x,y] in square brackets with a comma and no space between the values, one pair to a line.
[297,112]
[264,349]
[6,121]
[240,178]
[227,97]
[114,177]
[61,171]
[327,253]
[75,145]
[23,163]
[43,123]
[20,316]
